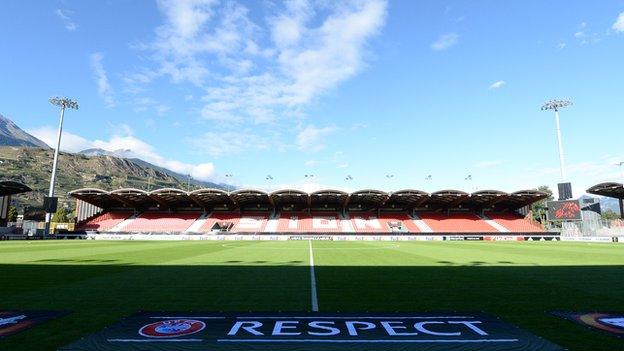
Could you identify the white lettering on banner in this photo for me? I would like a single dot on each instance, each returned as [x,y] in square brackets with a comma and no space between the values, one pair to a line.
[324,223]
[250,223]
[281,325]
[470,324]
[245,326]
[293,222]
[321,325]
[420,326]
[356,328]
[371,222]
[391,329]
[351,326]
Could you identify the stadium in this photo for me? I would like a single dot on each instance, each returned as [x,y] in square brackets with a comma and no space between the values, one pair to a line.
[175,211]
[306,175]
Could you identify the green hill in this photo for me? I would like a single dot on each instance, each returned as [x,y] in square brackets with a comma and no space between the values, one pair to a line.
[33,167]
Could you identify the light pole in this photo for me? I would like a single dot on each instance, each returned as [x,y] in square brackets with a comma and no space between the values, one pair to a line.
[63,103]
[268,178]
[556,105]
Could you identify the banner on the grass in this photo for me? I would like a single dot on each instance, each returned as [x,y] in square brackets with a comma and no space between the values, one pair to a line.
[612,323]
[12,322]
[311,332]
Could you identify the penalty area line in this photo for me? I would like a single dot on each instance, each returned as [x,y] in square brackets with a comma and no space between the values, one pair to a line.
[313,296]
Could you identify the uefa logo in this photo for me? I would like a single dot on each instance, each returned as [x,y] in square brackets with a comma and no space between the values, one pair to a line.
[172,328]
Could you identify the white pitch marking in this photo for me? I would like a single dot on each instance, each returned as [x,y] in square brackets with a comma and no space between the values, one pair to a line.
[154,340]
[313,280]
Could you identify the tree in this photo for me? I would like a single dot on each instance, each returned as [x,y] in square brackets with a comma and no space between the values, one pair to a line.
[610,215]
[61,215]
[12,214]
[540,208]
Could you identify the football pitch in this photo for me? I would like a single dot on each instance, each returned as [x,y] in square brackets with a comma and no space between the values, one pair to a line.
[101,282]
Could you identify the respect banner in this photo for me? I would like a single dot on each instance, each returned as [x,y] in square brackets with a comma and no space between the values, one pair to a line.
[311,332]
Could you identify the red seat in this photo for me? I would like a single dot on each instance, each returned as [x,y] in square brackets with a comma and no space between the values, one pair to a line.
[464,222]
[515,223]
[105,221]
[162,222]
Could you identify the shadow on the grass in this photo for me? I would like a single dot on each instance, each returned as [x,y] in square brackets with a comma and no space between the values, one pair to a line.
[100,294]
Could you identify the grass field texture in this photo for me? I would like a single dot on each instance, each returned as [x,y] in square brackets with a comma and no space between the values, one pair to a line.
[103,281]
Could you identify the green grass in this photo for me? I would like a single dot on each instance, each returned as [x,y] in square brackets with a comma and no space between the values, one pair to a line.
[102,282]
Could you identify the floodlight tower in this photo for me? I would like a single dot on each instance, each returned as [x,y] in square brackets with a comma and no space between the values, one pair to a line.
[63,103]
[556,105]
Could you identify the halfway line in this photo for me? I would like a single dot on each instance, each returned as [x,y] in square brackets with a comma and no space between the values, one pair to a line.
[313,280]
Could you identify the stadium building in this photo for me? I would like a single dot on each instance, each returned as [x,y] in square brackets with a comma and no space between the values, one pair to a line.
[206,211]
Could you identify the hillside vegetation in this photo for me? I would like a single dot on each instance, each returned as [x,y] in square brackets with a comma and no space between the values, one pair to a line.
[33,167]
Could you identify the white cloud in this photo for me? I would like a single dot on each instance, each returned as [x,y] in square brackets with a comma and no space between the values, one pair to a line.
[127,144]
[227,143]
[311,138]
[247,77]
[561,45]
[69,142]
[497,84]
[618,26]
[67,21]
[445,41]
[104,88]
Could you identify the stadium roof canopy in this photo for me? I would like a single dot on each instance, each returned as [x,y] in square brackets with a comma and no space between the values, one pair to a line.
[520,199]
[97,197]
[446,198]
[9,187]
[211,198]
[366,199]
[134,198]
[173,198]
[485,198]
[292,199]
[615,190]
[328,199]
[407,198]
[250,198]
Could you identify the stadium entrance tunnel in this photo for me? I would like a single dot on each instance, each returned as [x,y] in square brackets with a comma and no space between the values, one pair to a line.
[101,293]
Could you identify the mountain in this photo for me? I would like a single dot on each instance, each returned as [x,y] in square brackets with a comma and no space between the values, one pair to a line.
[127,154]
[183,177]
[12,135]
[32,166]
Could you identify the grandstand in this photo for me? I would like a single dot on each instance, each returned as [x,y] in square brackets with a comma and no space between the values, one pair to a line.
[204,211]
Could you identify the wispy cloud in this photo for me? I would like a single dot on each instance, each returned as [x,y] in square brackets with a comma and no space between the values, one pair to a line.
[497,84]
[101,78]
[311,138]
[130,145]
[618,26]
[445,41]
[231,142]
[261,71]
[70,25]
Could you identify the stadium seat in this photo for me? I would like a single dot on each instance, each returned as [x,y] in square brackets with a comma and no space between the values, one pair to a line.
[105,221]
[464,222]
[515,223]
[157,222]
[302,222]
[249,222]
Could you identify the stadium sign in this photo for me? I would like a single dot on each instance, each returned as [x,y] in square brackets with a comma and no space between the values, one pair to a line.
[567,210]
[311,332]
[12,322]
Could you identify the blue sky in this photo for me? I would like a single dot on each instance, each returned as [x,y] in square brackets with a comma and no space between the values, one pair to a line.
[359,88]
